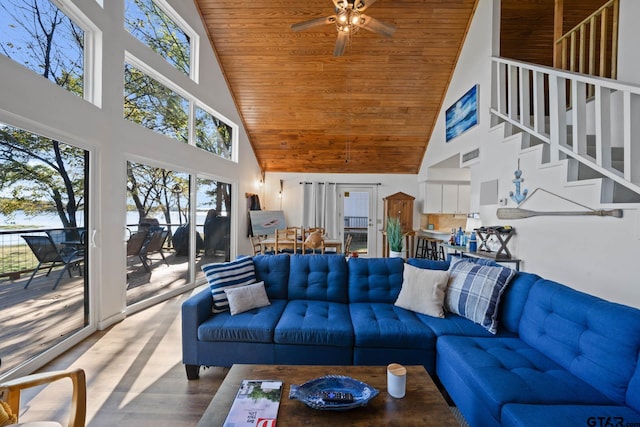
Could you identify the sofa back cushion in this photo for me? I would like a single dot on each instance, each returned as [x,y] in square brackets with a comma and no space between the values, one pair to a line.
[513,300]
[318,277]
[596,340]
[375,279]
[273,270]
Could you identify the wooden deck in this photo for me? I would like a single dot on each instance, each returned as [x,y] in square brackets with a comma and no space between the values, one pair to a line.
[39,317]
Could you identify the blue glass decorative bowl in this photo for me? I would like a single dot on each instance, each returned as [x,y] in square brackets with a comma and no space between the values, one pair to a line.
[311,392]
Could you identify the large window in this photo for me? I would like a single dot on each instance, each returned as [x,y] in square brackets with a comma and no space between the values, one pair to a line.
[38,35]
[213,134]
[149,23]
[154,106]
[43,242]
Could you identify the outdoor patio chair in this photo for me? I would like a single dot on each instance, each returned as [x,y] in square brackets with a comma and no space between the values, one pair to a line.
[136,243]
[154,243]
[10,392]
[46,252]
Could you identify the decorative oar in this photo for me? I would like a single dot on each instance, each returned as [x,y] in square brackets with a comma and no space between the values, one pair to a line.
[519,213]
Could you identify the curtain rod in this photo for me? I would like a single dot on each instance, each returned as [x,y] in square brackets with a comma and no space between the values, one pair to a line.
[342,183]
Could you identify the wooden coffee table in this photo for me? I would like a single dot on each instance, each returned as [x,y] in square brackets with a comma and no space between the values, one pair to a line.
[423,405]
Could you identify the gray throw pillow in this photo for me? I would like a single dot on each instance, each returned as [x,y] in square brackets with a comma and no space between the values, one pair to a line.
[247,297]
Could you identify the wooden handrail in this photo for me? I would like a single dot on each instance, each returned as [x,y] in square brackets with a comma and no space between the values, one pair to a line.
[577,47]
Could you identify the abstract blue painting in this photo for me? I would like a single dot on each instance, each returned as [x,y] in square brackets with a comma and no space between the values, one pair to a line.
[463,115]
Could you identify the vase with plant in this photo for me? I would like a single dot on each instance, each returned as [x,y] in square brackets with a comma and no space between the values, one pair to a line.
[394,236]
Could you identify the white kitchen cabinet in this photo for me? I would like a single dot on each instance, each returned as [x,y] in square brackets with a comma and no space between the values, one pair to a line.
[446,198]
[433,198]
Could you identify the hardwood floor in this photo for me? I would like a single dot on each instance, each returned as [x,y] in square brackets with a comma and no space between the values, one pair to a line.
[135,376]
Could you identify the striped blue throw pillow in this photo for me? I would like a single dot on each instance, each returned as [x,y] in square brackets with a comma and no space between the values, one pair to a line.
[474,292]
[228,275]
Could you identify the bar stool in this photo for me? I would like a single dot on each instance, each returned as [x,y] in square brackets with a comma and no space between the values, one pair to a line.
[437,250]
[423,247]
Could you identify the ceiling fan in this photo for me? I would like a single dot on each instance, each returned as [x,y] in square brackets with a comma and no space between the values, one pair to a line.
[348,18]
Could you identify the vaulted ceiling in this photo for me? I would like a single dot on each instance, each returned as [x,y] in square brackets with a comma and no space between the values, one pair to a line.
[371,110]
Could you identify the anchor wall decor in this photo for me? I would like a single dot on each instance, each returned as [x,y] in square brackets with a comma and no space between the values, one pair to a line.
[517,196]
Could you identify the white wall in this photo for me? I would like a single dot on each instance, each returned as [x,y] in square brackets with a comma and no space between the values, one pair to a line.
[592,254]
[291,201]
[629,33]
[31,102]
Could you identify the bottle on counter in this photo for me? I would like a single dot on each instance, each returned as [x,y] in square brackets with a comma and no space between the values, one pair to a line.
[460,237]
[473,242]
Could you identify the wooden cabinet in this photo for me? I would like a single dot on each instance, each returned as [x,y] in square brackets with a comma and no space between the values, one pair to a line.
[446,198]
[399,205]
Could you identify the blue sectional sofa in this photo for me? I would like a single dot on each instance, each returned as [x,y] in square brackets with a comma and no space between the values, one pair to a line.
[560,357]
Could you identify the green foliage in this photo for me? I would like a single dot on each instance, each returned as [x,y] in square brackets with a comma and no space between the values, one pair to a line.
[40,175]
[394,234]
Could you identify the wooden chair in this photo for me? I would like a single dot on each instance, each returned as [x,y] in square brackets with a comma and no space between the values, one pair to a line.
[10,393]
[257,245]
[286,241]
[46,252]
[347,244]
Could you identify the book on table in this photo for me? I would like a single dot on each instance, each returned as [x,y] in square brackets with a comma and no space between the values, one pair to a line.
[256,404]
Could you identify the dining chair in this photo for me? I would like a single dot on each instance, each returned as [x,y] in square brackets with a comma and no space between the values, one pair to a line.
[47,253]
[286,241]
[10,393]
[256,244]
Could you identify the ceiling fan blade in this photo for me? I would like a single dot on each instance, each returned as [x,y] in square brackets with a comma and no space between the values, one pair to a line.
[341,43]
[305,25]
[376,26]
[367,4]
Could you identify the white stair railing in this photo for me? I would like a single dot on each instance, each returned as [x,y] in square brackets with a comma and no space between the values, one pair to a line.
[554,106]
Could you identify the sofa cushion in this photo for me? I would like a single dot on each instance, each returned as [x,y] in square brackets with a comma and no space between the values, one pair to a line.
[246,297]
[226,275]
[375,279]
[318,277]
[315,323]
[596,340]
[429,264]
[513,300]
[423,291]
[474,292]
[273,270]
[498,371]
[453,324]
[522,415]
[255,325]
[387,326]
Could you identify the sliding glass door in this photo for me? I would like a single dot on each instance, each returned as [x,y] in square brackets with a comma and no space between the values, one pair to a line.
[44,244]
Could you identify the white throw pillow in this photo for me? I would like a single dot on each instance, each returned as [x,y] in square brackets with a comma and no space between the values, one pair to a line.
[247,297]
[423,290]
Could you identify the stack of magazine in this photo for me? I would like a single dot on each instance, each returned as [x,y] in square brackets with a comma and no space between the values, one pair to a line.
[256,404]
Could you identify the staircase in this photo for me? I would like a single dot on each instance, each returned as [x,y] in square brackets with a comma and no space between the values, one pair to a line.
[590,123]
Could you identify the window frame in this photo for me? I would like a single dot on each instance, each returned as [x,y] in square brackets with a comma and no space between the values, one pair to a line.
[194,38]
[193,101]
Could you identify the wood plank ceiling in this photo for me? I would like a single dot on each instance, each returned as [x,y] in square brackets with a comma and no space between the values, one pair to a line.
[369,111]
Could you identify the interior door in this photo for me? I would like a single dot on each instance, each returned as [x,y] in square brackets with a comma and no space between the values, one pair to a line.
[357,217]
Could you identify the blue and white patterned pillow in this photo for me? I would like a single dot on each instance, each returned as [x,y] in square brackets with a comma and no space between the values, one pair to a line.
[228,275]
[474,292]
